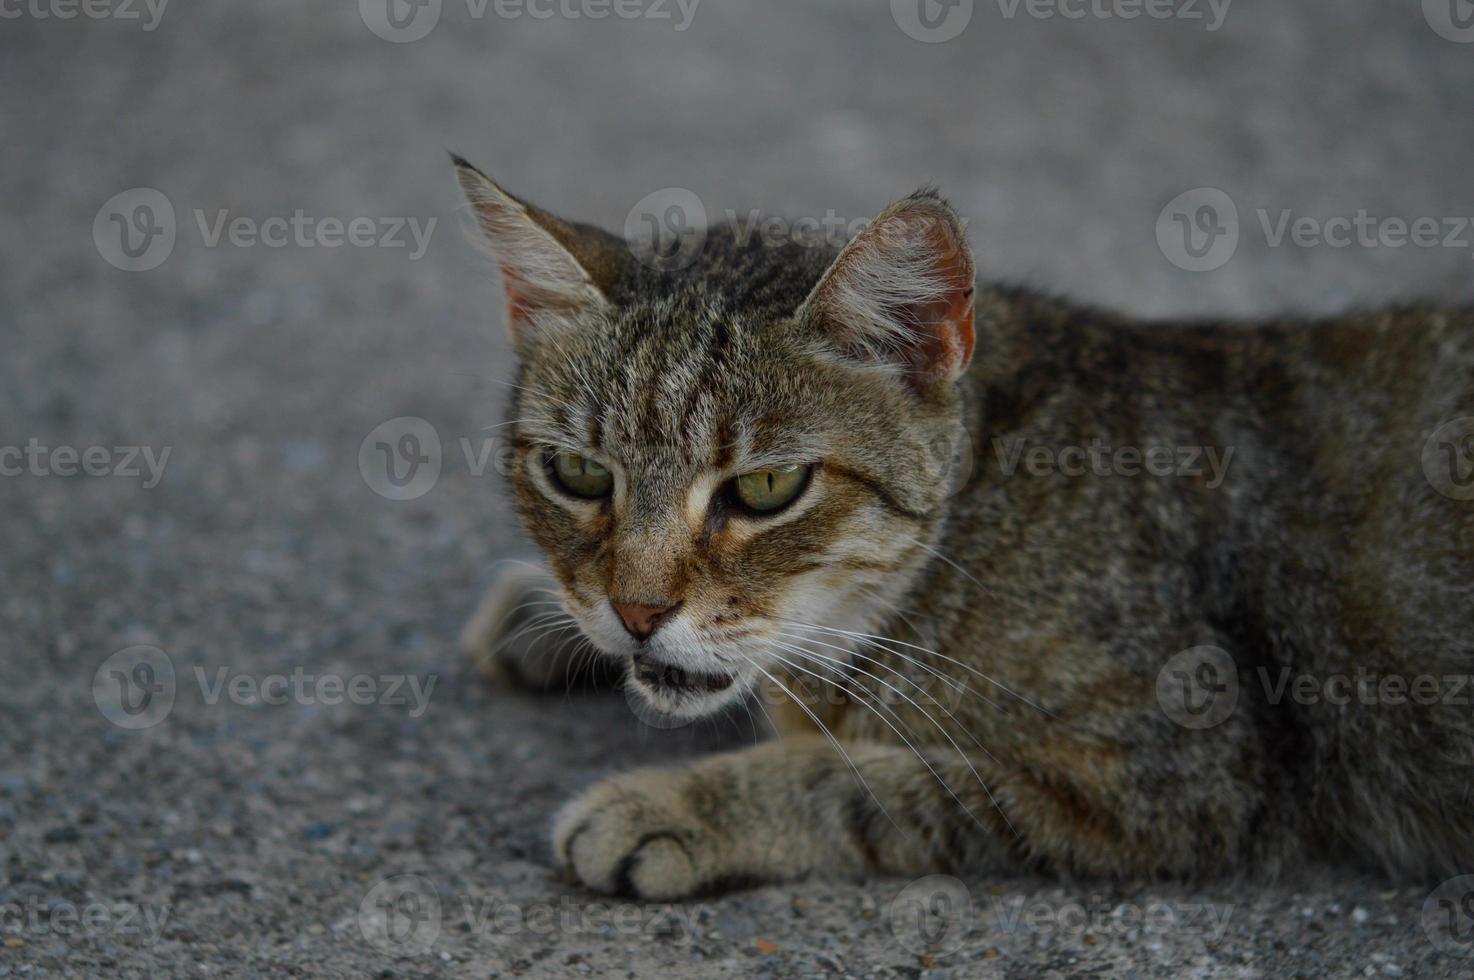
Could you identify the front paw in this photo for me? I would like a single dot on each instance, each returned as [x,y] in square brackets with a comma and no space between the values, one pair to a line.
[635,835]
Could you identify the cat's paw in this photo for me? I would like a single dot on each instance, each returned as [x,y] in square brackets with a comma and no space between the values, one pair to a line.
[633,835]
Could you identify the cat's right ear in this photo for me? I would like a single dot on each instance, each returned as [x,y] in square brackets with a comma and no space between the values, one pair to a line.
[551,268]
[900,294]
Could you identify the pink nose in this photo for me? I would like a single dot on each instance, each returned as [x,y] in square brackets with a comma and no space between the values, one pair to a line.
[643,621]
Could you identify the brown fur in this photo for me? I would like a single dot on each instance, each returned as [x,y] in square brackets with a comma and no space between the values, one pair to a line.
[997,635]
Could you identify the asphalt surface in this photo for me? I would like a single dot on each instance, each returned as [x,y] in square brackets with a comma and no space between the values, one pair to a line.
[218,731]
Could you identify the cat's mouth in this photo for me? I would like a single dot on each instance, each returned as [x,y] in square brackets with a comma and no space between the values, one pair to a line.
[669,678]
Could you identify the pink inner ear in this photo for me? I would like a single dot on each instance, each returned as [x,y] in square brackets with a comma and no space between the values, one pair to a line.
[518,302]
[946,326]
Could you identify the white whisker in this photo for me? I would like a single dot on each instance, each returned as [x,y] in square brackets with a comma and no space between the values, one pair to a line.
[827,734]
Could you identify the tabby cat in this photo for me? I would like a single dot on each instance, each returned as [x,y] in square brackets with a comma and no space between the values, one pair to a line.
[1038,586]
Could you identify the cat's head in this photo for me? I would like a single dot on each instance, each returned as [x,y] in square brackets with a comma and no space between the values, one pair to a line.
[721,460]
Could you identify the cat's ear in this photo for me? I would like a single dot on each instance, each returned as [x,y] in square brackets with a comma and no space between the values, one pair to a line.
[900,294]
[550,267]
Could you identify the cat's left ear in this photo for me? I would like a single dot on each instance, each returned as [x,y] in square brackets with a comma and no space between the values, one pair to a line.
[900,294]
[549,266]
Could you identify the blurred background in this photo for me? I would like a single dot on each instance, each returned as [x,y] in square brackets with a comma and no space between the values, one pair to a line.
[232,254]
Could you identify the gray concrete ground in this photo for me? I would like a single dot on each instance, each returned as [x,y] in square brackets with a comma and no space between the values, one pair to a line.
[231,837]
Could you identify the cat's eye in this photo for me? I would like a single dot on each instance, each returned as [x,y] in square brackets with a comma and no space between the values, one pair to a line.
[581,476]
[766,491]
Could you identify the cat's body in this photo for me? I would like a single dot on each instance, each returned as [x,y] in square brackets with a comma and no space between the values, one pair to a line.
[1251,501]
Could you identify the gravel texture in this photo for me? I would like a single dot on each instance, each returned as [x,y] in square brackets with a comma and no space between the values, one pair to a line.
[228,836]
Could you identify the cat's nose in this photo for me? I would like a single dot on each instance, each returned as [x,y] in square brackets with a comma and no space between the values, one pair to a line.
[643,621]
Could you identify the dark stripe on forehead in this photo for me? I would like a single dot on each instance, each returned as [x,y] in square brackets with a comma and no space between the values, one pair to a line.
[724,452]
[714,355]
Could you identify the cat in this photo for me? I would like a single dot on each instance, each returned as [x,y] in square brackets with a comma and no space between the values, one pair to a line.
[997,554]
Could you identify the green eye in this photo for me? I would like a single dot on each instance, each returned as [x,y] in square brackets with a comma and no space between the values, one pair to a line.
[581,477]
[768,490]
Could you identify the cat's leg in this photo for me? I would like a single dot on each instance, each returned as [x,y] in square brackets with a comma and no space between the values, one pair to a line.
[520,637]
[795,807]
[780,811]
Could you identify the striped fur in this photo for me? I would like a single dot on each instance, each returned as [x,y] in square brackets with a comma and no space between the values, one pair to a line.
[999,634]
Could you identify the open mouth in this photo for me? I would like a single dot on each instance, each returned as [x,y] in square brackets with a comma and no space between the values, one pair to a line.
[664,677]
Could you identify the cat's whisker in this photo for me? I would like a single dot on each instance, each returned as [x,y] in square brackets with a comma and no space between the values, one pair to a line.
[584,657]
[882,640]
[867,702]
[538,625]
[988,590]
[951,682]
[938,725]
[827,734]
[874,593]
[540,569]
[498,425]
[533,602]
[919,689]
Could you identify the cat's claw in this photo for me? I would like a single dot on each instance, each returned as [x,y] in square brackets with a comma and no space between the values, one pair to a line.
[630,835]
